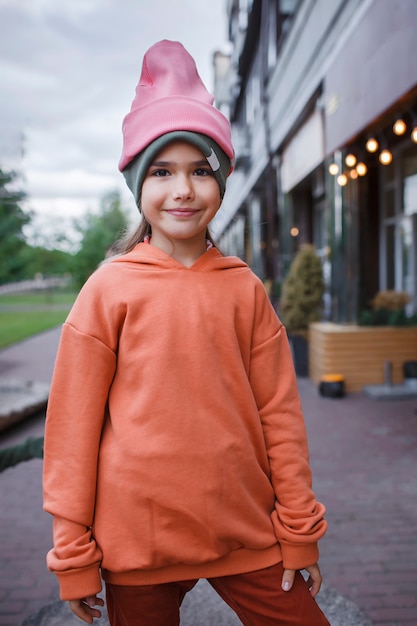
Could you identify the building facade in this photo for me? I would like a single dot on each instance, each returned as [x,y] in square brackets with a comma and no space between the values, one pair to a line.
[307,85]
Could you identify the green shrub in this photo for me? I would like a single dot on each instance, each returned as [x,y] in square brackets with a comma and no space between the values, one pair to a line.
[388,309]
[302,291]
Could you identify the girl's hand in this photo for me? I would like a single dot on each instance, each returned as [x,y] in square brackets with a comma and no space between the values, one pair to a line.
[313,582]
[83,608]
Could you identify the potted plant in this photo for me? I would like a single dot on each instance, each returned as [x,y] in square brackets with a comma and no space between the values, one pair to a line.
[388,309]
[384,341]
[301,302]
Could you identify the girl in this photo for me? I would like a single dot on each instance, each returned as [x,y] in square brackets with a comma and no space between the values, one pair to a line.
[175,443]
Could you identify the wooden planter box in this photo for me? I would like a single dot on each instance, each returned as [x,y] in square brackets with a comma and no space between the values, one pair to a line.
[360,352]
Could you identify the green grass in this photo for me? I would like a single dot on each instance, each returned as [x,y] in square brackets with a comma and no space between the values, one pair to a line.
[45,297]
[25,315]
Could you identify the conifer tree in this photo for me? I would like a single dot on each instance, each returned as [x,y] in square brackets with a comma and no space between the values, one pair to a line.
[12,221]
[302,291]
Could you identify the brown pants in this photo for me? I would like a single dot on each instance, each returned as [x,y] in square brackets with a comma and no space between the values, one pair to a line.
[256,598]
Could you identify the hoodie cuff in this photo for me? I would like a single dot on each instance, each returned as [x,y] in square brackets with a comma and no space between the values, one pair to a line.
[299,557]
[77,584]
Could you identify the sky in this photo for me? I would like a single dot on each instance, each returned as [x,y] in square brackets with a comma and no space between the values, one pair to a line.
[68,72]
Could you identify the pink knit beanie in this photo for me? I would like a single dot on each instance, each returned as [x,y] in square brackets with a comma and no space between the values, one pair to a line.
[171,98]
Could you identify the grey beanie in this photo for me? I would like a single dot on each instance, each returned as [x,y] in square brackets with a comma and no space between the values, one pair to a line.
[218,160]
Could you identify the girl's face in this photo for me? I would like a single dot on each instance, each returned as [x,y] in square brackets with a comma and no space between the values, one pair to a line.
[180,195]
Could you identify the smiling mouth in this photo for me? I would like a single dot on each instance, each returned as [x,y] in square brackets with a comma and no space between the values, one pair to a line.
[182,212]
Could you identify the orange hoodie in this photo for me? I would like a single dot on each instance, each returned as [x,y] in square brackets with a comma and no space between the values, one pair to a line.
[175,444]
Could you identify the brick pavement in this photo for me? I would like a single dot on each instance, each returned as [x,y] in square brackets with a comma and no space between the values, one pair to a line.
[363,454]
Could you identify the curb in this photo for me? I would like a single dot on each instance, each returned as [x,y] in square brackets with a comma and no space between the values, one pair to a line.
[19,399]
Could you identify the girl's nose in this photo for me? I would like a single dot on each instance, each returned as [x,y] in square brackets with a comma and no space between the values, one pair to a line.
[182,188]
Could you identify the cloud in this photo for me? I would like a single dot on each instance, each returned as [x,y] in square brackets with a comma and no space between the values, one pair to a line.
[68,71]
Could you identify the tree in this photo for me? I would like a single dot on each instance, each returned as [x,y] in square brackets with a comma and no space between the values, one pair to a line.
[99,231]
[302,291]
[39,260]
[12,221]
[302,302]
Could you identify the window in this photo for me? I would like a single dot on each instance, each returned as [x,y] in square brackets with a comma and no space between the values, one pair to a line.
[410,181]
[399,224]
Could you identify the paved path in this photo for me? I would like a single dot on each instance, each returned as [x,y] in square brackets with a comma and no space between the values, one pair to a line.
[25,530]
[364,459]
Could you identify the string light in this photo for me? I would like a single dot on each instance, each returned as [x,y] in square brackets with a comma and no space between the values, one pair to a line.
[350,160]
[399,127]
[385,157]
[361,169]
[372,145]
[294,232]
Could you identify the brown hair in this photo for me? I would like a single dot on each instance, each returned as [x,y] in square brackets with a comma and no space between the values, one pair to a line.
[129,240]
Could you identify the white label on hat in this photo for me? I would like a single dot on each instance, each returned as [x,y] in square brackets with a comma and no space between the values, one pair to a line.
[213,161]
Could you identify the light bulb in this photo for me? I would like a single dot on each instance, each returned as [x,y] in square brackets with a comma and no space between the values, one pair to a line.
[333,169]
[361,169]
[342,180]
[294,232]
[353,174]
[350,160]
[385,158]
[399,127]
[414,134]
[372,145]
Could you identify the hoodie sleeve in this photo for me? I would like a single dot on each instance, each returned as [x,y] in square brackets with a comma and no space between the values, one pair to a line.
[298,518]
[83,373]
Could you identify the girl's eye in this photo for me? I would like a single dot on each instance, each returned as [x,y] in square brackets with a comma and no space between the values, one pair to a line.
[201,171]
[160,173]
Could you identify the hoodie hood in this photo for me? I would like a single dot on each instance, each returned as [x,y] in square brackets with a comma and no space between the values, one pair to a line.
[146,256]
